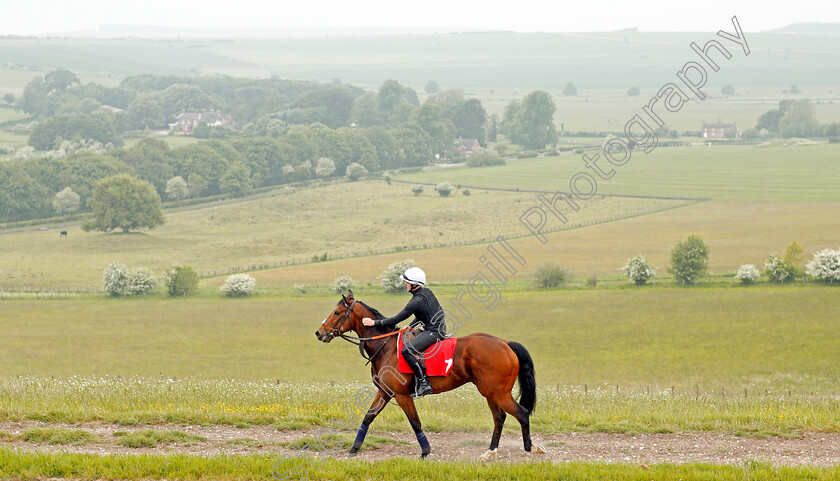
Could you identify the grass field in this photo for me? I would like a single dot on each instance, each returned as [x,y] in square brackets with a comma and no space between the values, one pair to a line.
[78,466]
[653,336]
[338,219]
[738,232]
[771,173]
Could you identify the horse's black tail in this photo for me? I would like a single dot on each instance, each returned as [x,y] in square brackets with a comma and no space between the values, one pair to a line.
[527,383]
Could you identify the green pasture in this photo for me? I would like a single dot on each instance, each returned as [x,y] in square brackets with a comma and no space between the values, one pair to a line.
[775,172]
[737,232]
[26,466]
[338,219]
[653,336]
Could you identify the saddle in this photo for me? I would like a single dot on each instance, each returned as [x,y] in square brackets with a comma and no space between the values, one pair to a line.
[438,357]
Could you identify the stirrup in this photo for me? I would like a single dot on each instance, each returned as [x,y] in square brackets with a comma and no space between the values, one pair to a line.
[421,387]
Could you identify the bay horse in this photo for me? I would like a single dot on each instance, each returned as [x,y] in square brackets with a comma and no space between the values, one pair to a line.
[491,363]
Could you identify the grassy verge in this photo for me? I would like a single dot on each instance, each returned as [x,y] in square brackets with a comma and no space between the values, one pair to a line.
[17,465]
[150,438]
[298,405]
[63,436]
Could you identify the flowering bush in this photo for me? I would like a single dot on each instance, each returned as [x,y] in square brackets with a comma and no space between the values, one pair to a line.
[444,189]
[825,265]
[391,281]
[141,281]
[115,279]
[638,270]
[747,274]
[776,269]
[118,280]
[343,284]
[239,285]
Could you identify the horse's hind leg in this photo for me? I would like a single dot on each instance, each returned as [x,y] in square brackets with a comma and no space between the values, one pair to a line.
[499,421]
[514,409]
[407,404]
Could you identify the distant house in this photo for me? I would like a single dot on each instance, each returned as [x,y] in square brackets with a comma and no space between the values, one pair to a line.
[466,146]
[188,121]
[720,131]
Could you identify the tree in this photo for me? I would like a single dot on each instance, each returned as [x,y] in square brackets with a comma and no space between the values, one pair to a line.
[530,124]
[633,91]
[145,112]
[9,98]
[181,280]
[34,100]
[570,89]
[728,90]
[237,179]
[432,87]
[324,167]
[776,269]
[126,203]
[432,118]
[770,120]
[550,275]
[95,127]
[794,89]
[20,196]
[66,201]
[793,260]
[58,81]
[468,119]
[179,98]
[355,171]
[800,120]
[176,188]
[689,260]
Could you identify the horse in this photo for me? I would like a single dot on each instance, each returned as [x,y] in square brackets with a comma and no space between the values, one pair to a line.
[63,233]
[491,363]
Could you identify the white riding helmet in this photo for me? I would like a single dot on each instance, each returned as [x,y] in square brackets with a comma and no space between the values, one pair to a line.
[414,275]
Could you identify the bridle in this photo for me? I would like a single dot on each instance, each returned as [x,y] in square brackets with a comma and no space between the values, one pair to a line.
[336,330]
[358,341]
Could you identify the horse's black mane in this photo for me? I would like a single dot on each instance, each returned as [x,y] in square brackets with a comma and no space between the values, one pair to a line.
[377,315]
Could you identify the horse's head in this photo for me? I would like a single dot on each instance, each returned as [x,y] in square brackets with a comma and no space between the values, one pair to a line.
[340,320]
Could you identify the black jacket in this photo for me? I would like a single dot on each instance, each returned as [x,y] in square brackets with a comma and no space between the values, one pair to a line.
[426,309]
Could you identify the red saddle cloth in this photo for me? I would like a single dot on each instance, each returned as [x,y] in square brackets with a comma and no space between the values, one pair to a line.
[438,358]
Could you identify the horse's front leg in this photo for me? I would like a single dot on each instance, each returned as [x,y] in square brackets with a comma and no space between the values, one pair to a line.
[407,404]
[379,402]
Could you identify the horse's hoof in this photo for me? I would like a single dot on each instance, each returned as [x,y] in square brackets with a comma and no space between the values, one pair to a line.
[352,453]
[489,455]
[539,449]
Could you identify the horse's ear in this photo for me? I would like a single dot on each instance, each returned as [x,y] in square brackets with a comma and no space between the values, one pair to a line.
[350,294]
[344,298]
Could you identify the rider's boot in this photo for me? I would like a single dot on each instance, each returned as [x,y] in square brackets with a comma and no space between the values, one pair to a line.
[421,381]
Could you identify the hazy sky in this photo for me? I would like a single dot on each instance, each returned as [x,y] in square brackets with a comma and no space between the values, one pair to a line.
[46,16]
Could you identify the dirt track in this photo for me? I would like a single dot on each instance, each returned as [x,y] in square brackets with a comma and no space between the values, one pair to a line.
[819,449]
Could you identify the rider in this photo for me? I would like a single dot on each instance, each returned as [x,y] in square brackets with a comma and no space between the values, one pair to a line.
[427,311]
